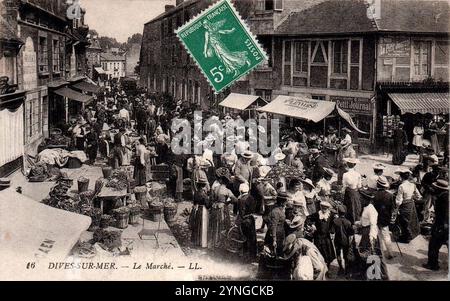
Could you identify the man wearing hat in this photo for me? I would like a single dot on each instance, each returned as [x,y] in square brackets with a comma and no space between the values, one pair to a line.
[378,170]
[301,136]
[119,148]
[428,192]
[243,171]
[343,236]
[91,144]
[269,195]
[275,234]
[400,142]
[246,208]
[439,231]
[351,183]
[384,204]
[318,163]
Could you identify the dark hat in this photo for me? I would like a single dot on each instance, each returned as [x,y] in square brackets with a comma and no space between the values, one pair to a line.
[441,184]
[223,172]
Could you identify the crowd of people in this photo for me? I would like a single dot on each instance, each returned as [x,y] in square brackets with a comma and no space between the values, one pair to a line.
[313,205]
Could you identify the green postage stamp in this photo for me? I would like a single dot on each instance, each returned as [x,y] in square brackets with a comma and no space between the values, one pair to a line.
[221,44]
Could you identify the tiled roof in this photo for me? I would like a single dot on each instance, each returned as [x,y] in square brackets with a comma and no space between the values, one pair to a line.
[350,16]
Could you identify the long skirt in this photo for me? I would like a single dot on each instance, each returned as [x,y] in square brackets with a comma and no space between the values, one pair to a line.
[353,204]
[325,246]
[435,143]
[79,143]
[219,221]
[198,223]
[372,265]
[139,173]
[92,153]
[248,229]
[408,221]
[179,181]
[399,155]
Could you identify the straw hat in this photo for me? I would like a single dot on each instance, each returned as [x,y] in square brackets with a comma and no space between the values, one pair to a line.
[379,166]
[383,182]
[403,170]
[264,170]
[308,182]
[280,156]
[328,171]
[247,154]
[441,184]
[325,204]
[351,160]
[296,222]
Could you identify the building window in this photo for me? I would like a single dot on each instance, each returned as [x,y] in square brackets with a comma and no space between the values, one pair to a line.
[264,94]
[33,118]
[301,57]
[56,56]
[43,55]
[318,97]
[422,50]
[340,56]
[269,5]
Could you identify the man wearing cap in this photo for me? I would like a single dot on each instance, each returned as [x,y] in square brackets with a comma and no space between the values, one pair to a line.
[407,216]
[400,142]
[351,183]
[439,231]
[275,234]
[378,170]
[384,204]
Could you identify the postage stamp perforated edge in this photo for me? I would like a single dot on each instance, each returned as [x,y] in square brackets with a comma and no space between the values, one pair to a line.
[242,23]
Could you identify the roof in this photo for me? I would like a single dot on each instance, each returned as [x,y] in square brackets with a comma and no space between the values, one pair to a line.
[111,57]
[177,8]
[300,107]
[74,95]
[350,16]
[239,101]
[99,70]
[433,103]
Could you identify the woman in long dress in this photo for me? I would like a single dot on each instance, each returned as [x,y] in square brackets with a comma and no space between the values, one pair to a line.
[322,222]
[400,141]
[417,141]
[214,46]
[219,217]
[199,219]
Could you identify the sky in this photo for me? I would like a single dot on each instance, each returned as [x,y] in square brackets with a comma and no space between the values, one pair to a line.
[120,19]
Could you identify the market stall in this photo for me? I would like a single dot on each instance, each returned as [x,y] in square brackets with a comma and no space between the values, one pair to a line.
[243,103]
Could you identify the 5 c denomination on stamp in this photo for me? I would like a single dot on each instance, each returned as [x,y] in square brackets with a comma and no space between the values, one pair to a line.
[221,44]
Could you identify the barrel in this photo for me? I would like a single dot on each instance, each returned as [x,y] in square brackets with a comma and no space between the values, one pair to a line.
[83,184]
[107,171]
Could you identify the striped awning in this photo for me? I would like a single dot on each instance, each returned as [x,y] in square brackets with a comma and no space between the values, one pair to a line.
[432,103]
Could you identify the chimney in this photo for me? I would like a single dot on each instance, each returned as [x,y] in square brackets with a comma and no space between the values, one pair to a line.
[178,2]
[168,7]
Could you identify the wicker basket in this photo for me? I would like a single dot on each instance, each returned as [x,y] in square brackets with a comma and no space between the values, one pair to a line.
[155,213]
[83,184]
[170,212]
[234,240]
[134,216]
[122,219]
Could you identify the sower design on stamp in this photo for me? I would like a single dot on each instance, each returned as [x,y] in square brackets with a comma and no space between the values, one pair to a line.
[221,44]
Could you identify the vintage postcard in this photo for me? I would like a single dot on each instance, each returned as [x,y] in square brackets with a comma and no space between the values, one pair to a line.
[224,140]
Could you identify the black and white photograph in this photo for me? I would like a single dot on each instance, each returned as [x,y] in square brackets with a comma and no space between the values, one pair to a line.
[324,156]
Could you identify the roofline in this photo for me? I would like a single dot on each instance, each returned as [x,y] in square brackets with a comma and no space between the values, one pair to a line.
[373,32]
[172,11]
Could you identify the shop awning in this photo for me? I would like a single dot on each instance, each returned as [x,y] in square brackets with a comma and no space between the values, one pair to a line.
[74,95]
[240,101]
[300,107]
[433,103]
[346,116]
[99,70]
[88,87]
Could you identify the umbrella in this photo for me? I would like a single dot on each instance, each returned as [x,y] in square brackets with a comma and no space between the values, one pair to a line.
[284,171]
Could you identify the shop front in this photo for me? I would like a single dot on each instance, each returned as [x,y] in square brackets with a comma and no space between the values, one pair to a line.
[67,105]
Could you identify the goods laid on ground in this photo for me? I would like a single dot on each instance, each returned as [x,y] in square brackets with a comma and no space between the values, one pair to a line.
[155,209]
[170,210]
[108,239]
[84,250]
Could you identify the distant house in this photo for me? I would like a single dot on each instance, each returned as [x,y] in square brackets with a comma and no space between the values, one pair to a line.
[113,65]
